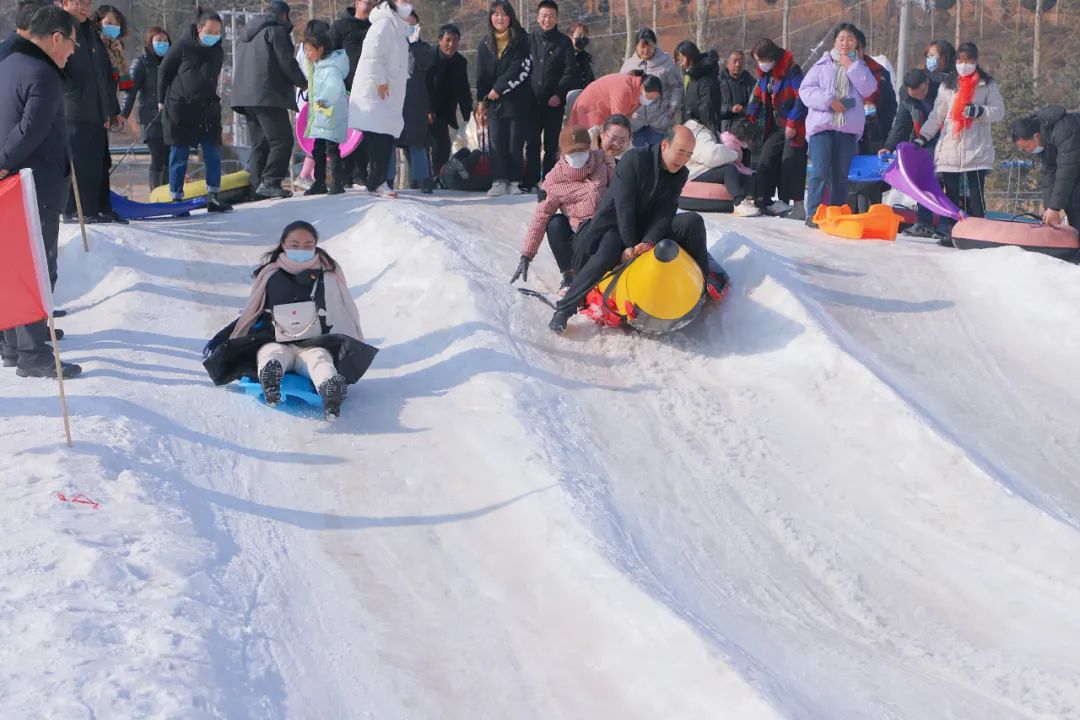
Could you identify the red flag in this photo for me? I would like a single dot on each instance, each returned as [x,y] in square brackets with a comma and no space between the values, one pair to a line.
[25,294]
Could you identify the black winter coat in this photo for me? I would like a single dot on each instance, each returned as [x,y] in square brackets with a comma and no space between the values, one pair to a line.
[347,33]
[267,73]
[8,45]
[448,88]
[187,80]
[507,75]
[144,75]
[639,204]
[90,94]
[910,116]
[417,101]
[584,66]
[33,127]
[1059,174]
[702,100]
[734,91]
[554,68]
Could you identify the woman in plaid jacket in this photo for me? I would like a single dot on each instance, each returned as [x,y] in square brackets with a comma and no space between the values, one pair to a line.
[776,108]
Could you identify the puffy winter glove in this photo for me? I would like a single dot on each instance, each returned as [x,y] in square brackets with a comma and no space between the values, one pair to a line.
[919,142]
[522,270]
[972,111]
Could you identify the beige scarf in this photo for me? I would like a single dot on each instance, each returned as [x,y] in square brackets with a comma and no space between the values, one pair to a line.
[842,88]
[341,312]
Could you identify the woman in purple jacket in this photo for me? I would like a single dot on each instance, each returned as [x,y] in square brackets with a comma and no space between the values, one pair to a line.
[833,92]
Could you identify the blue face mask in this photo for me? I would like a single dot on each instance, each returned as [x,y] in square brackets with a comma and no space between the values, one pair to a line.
[931,63]
[111,31]
[161,48]
[300,256]
[210,40]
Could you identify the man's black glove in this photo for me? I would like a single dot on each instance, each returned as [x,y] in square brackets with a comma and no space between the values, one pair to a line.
[972,111]
[522,270]
[919,142]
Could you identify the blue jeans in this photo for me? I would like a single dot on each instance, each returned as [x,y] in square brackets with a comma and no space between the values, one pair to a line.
[419,165]
[647,136]
[923,216]
[178,162]
[830,152]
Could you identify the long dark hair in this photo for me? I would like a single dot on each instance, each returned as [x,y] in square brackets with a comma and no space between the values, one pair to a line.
[688,50]
[328,262]
[515,25]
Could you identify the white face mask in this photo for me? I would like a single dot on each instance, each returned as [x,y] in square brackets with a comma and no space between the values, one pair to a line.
[1037,150]
[965,69]
[404,10]
[645,100]
[412,32]
[766,66]
[577,160]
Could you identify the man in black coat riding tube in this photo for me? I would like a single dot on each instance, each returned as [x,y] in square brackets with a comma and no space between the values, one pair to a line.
[263,91]
[33,134]
[91,107]
[638,211]
[1054,135]
[554,74]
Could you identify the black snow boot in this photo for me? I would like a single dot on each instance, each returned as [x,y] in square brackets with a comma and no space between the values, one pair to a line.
[215,204]
[270,379]
[47,369]
[560,318]
[333,393]
[316,189]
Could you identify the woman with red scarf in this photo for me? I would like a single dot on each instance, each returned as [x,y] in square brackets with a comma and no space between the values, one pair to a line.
[967,103]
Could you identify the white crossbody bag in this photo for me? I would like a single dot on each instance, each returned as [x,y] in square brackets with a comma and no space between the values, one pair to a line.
[299,320]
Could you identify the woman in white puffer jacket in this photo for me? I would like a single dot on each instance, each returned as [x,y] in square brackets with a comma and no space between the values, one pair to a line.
[378,89]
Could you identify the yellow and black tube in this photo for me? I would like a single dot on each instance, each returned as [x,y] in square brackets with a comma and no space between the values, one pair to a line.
[660,291]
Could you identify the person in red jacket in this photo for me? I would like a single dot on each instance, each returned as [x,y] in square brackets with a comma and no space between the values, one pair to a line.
[615,94]
[573,189]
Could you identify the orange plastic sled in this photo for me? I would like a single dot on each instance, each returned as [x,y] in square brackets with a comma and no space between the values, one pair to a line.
[877,223]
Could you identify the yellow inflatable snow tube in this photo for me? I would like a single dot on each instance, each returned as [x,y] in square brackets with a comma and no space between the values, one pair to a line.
[233,181]
[660,291]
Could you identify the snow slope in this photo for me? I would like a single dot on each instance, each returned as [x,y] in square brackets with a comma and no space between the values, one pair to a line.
[849,492]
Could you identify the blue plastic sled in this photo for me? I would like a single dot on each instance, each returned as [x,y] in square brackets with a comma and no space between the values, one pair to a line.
[296,388]
[132,210]
[867,168]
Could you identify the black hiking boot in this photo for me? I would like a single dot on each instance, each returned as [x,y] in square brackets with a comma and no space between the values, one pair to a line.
[333,393]
[270,379]
[316,189]
[48,370]
[920,231]
[215,204]
[336,189]
[272,193]
[560,318]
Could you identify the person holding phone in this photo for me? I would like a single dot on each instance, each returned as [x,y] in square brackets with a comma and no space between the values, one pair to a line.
[833,92]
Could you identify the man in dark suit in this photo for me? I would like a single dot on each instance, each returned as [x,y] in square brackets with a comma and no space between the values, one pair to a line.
[638,211]
[33,134]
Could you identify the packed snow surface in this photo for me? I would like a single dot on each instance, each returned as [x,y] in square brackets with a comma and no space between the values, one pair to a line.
[850,491]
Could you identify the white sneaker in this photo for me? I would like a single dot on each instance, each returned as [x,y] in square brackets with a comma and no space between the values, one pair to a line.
[747,208]
[514,189]
[778,208]
[498,188]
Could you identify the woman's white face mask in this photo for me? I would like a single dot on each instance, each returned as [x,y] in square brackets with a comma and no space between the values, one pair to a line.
[766,66]
[646,100]
[404,10]
[577,160]
[965,69]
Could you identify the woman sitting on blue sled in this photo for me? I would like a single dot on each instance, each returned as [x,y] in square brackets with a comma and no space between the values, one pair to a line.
[300,317]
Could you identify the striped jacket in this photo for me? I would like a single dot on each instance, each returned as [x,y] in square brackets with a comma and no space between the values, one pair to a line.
[576,193]
[780,86]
